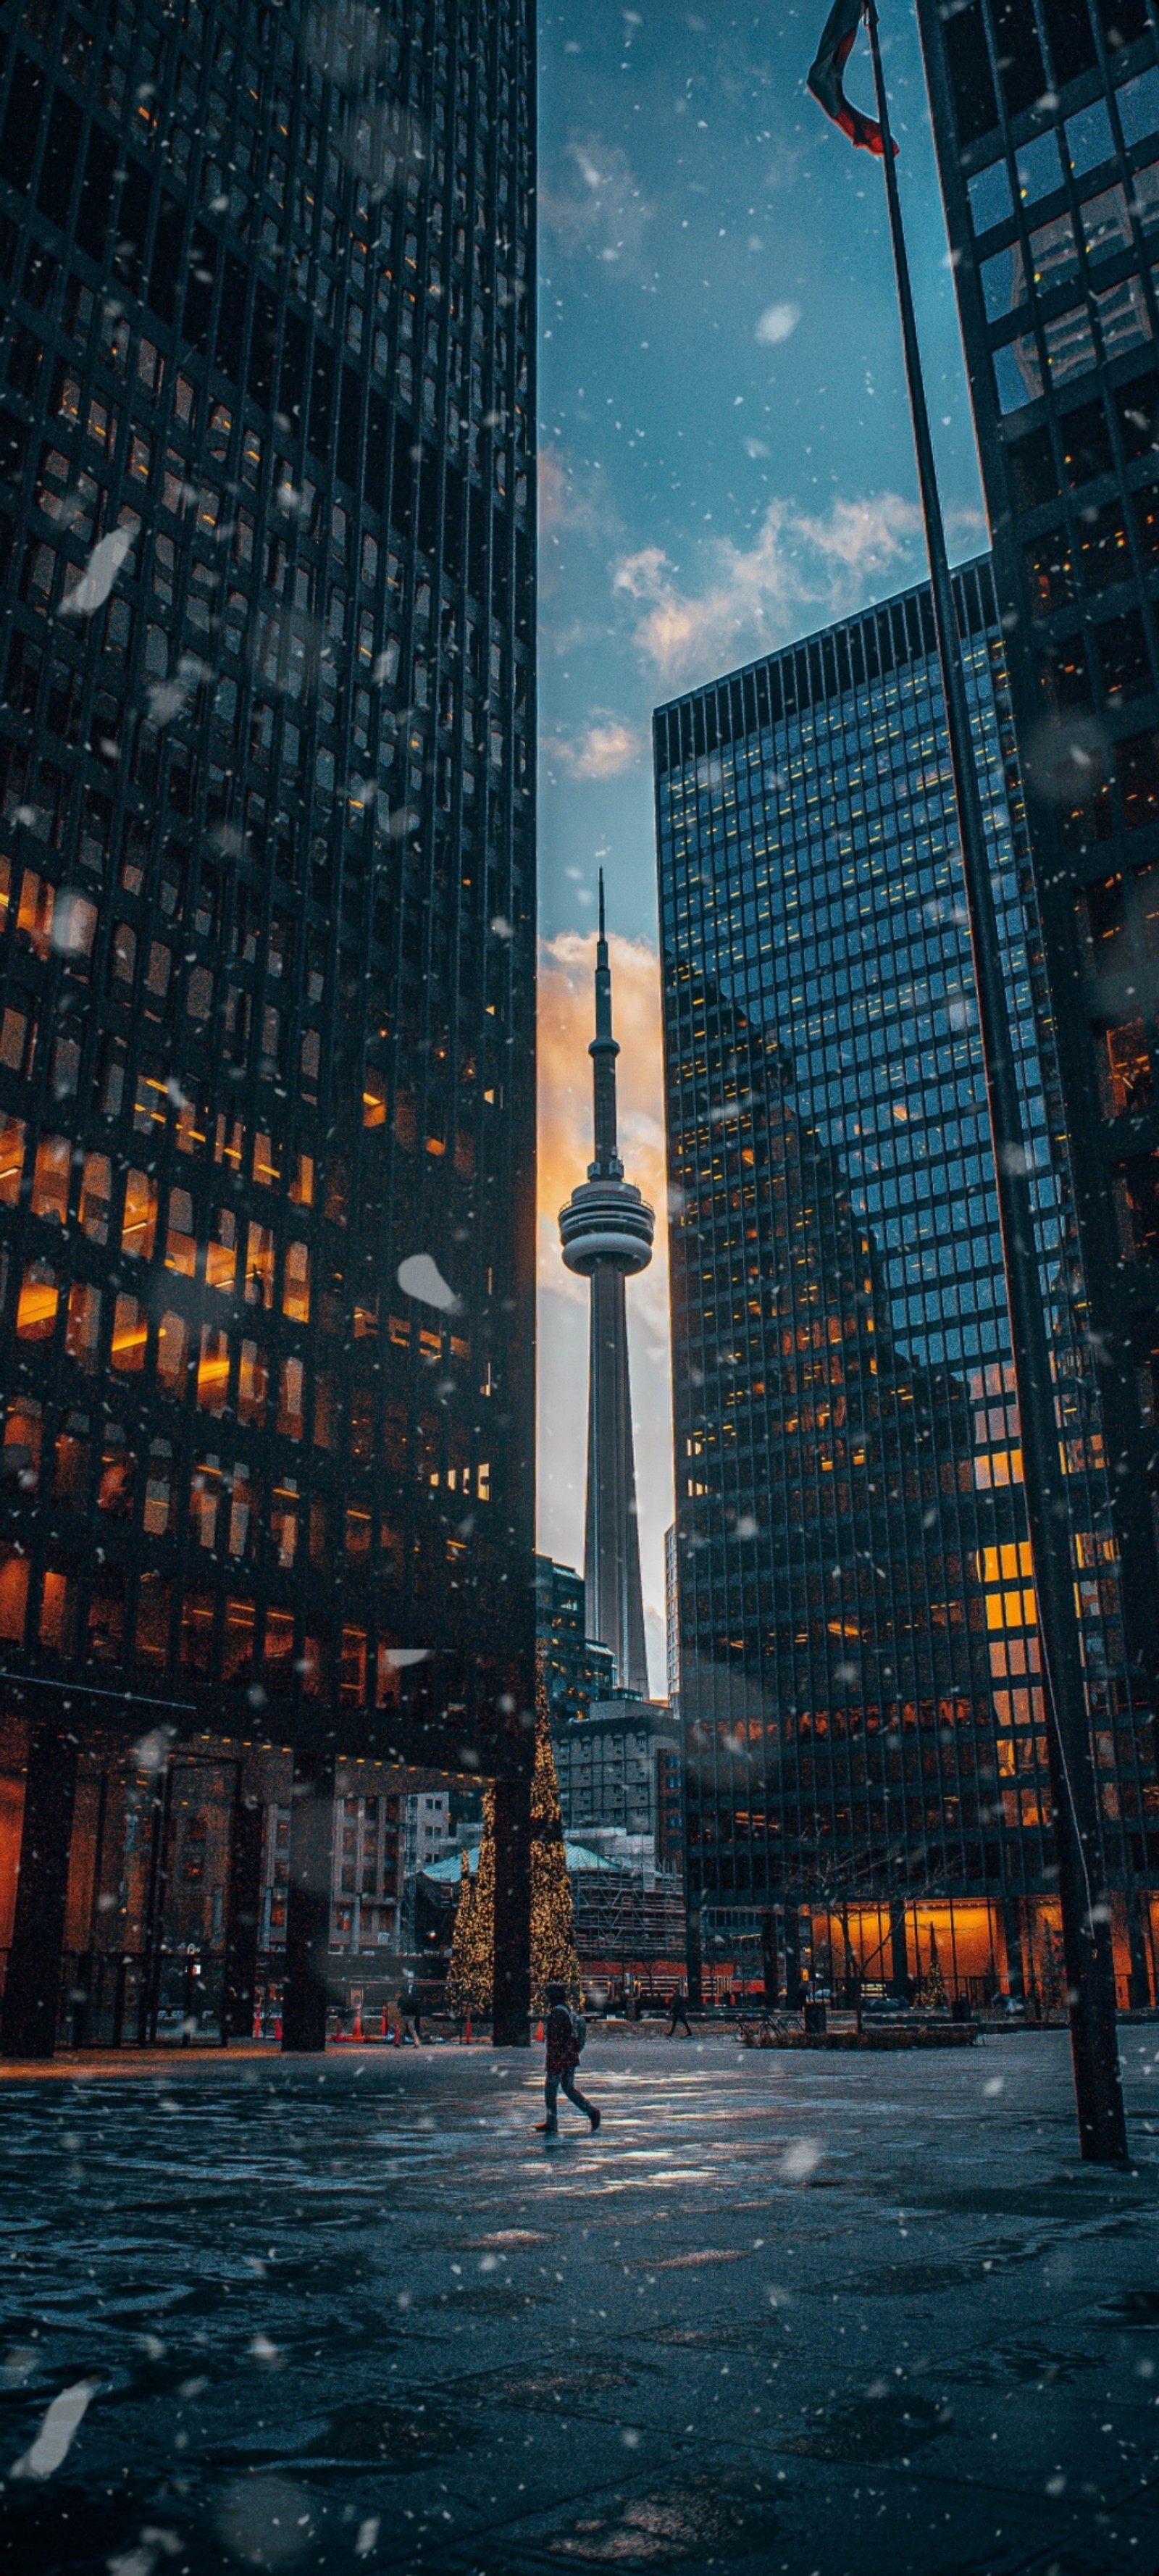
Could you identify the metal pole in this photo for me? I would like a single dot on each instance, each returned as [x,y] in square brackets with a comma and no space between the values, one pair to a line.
[1074,1797]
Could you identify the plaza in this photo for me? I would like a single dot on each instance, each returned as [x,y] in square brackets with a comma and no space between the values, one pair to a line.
[807,2314]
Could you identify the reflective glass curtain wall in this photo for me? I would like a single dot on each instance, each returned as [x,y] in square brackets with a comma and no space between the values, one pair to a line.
[267,862]
[860,1682]
[1046,121]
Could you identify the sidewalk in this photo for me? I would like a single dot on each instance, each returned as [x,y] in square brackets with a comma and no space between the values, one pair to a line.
[786,2315]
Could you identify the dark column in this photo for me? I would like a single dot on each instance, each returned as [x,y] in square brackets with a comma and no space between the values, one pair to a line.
[512,1967]
[149,1994]
[87,1988]
[308,1902]
[769,1959]
[898,1961]
[243,1906]
[793,1989]
[694,1955]
[1139,1988]
[32,1991]
[1015,1961]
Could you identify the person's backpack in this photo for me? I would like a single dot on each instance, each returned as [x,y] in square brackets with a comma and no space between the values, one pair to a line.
[579,2031]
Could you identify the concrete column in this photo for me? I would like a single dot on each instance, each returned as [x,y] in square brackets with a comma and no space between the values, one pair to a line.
[793,1987]
[308,1903]
[769,1959]
[899,1981]
[242,1910]
[694,1954]
[1015,1959]
[512,1964]
[1139,1988]
[32,1990]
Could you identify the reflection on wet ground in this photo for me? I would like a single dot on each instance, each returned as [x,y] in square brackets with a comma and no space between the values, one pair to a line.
[801,2316]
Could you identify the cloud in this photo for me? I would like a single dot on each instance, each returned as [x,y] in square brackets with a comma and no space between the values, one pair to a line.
[607,213]
[802,567]
[572,497]
[604,751]
[777,322]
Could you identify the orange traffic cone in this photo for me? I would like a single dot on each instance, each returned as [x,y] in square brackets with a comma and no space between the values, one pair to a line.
[539,2030]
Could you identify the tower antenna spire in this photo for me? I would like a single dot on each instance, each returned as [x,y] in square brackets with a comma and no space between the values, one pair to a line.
[606,1231]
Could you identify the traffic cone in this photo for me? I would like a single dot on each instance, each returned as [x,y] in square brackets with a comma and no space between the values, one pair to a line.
[539,2030]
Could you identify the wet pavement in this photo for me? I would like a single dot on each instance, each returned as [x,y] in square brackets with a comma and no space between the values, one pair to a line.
[802,2315]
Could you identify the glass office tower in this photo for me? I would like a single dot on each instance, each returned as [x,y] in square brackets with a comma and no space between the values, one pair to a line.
[267,878]
[1047,129]
[859,1664]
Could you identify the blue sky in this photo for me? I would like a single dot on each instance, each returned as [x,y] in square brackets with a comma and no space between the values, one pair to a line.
[726,463]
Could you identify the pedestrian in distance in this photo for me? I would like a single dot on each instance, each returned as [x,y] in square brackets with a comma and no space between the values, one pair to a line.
[565,2035]
[679,2011]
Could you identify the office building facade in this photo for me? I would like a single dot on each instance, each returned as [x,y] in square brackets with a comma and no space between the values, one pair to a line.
[618,1773]
[1046,123]
[576,1669]
[267,965]
[859,1666]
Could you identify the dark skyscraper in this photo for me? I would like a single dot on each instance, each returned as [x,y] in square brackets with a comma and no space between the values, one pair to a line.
[266,1022]
[1047,129]
[606,1231]
[859,1662]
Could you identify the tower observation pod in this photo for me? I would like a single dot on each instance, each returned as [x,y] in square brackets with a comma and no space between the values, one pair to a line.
[606,1232]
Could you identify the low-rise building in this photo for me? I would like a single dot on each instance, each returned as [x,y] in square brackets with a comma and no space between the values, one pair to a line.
[619,1774]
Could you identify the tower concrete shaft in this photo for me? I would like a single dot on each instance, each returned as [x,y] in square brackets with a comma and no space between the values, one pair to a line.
[606,1231]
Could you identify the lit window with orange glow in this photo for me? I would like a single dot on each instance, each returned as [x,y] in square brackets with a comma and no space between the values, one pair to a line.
[96,1190]
[213,1370]
[139,1224]
[37,1303]
[50,1176]
[11,1160]
[296,1283]
[221,1251]
[130,1336]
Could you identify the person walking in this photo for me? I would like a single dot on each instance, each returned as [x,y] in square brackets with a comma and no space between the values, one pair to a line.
[679,2011]
[564,2034]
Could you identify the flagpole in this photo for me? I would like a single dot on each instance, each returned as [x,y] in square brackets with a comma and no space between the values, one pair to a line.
[1086,1927]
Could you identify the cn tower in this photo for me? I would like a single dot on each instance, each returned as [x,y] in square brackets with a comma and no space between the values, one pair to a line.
[606,1232]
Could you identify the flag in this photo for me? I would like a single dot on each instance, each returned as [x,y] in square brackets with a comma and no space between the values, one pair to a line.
[824,78]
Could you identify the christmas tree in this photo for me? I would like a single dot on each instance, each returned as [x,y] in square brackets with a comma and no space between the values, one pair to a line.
[469,1974]
[553,1951]
[932,1987]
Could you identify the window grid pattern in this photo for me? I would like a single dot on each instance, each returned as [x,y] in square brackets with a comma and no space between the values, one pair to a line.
[860,1685]
[264,789]
[1046,122]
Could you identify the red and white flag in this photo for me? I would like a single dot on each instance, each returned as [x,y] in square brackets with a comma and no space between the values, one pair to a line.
[824,78]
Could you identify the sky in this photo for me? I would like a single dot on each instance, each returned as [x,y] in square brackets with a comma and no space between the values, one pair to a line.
[725,465]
